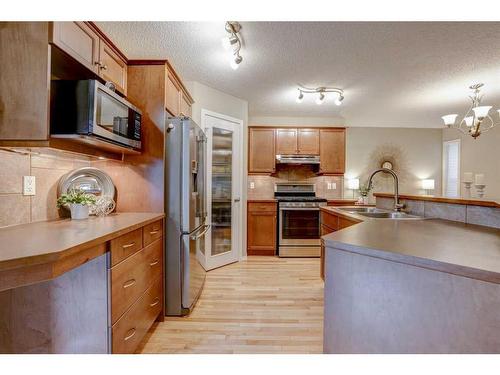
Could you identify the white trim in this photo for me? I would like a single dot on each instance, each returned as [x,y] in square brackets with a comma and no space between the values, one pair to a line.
[444,176]
[208,262]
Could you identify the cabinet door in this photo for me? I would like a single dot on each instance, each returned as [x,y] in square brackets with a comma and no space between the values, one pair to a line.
[79,41]
[185,107]
[261,155]
[172,95]
[308,141]
[112,67]
[261,233]
[286,142]
[332,151]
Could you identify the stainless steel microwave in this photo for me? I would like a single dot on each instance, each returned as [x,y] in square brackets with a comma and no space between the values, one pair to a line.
[89,108]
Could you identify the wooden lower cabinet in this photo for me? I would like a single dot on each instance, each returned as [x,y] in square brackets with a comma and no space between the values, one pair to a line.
[330,222]
[136,280]
[131,328]
[262,228]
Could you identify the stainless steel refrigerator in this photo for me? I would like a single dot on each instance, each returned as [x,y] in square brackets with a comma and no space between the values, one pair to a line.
[186,214]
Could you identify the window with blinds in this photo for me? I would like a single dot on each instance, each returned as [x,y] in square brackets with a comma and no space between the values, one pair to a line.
[451,168]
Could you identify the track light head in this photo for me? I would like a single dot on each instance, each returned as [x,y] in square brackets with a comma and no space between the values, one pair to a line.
[300,97]
[229,41]
[236,61]
[320,99]
[338,101]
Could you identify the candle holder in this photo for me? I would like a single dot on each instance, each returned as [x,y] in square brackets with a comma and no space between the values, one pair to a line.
[480,189]
[467,185]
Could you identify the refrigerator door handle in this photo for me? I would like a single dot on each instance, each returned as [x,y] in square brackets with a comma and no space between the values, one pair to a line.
[195,237]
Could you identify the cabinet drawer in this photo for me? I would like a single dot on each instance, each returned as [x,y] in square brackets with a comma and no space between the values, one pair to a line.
[262,207]
[330,220]
[132,277]
[128,332]
[152,232]
[126,245]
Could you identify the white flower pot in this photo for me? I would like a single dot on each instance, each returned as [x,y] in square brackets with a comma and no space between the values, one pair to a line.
[79,211]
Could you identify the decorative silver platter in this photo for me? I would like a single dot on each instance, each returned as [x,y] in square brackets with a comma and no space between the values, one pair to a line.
[89,179]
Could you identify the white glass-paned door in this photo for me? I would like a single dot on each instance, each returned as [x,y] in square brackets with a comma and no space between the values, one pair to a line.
[224,176]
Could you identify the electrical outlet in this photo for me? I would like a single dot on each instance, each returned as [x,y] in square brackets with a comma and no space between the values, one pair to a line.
[29,185]
[331,185]
[334,186]
[252,185]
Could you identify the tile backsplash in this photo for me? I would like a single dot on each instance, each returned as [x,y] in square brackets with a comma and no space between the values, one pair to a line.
[47,166]
[263,185]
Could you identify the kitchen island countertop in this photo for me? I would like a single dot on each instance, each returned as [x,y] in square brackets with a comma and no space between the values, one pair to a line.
[453,247]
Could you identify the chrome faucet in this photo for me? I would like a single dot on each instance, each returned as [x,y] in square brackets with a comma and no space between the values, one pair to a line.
[397,206]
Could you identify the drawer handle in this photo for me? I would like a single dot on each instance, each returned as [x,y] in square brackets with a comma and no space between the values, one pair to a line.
[154,263]
[156,302]
[132,334]
[128,283]
[154,231]
[128,245]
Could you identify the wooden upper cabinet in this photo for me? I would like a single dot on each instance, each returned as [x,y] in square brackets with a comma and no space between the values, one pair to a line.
[172,95]
[112,67]
[83,43]
[79,41]
[308,141]
[332,151]
[286,142]
[185,105]
[24,82]
[261,152]
[178,101]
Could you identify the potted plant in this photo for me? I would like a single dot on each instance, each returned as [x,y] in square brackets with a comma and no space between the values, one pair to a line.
[78,202]
[363,191]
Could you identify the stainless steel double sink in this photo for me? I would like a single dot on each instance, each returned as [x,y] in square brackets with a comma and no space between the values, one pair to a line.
[378,213]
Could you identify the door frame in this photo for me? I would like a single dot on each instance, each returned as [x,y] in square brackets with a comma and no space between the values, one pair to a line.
[208,263]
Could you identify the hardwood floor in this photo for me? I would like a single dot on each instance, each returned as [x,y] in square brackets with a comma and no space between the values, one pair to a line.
[261,305]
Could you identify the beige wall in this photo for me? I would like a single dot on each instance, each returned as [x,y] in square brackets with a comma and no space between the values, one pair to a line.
[421,156]
[48,167]
[481,155]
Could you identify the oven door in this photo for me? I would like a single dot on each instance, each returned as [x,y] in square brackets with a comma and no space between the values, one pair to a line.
[299,226]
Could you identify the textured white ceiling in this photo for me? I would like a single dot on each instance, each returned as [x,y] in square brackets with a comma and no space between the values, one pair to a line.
[404,74]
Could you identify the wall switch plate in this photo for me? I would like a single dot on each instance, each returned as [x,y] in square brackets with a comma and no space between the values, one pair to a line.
[252,185]
[29,185]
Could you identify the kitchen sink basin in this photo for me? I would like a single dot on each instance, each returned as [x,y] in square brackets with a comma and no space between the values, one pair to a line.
[359,209]
[389,215]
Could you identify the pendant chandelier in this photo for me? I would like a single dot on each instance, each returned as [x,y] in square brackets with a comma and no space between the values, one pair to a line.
[477,120]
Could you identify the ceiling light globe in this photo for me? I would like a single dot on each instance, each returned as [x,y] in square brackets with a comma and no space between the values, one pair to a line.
[449,119]
[481,111]
[469,120]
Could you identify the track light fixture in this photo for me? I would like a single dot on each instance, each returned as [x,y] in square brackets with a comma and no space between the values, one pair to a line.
[321,94]
[232,43]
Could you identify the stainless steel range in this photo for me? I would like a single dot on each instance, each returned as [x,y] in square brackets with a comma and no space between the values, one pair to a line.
[298,220]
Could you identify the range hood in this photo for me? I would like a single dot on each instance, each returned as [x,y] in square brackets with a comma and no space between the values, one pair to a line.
[297,159]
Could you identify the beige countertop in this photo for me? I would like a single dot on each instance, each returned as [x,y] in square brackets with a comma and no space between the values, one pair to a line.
[43,250]
[432,198]
[462,249]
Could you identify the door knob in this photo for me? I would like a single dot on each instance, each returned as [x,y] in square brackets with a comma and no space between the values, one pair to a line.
[236,200]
